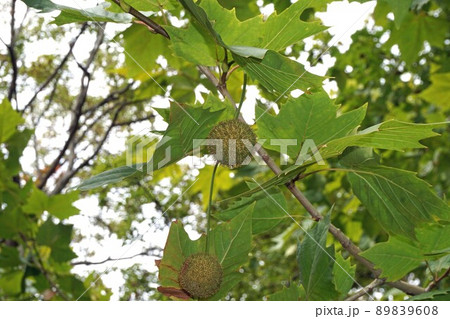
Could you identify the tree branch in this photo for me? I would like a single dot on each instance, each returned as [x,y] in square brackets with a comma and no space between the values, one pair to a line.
[88,263]
[147,21]
[12,54]
[367,289]
[57,69]
[77,110]
[436,281]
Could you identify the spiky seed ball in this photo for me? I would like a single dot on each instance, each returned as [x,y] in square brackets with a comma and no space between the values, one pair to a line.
[232,133]
[201,275]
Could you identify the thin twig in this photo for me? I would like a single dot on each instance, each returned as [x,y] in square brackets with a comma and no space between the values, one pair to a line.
[367,289]
[436,281]
[88,263]
[57,69]
[150,23]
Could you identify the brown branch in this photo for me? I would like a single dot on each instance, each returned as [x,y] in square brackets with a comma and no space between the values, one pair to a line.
[77,109]
[147,21]
[346,243]
[366,290]
[12,54]
[141,119]
[88,263]
[57,69]
[436,281]
[66,178]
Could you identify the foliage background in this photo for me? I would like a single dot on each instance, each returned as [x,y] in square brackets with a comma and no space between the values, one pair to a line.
[93,98]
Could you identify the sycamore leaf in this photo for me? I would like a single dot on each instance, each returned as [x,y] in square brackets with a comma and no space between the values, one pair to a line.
[58,205]
[343,274]
[438,92]
[398,256]
[309,117]
[279,74]
[397,199]
[11,282]
[194,44]
[270,209]
[70,14]
[201,16]
[9,119]
[58,238]
[215,24]
[400,8]
[436,295]
[275,33]
[143,48]
[231,241]
[390,135]
[316,262]
[414,31]
[291,293]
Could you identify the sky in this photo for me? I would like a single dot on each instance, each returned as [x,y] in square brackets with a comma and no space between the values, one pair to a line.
[342,18]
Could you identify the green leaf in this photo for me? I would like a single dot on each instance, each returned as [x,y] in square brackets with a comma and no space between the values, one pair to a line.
[279,74]
[215,24]
[194,44]
[276,33]
[307,117]
[245,9]
[414,31]
[343,274]
[438,92]
[36,203]
[9,119]
[11,282]
[316,262]
[9,257]
[290,293]
[58,238]
[398,256]
[436,295]
[397,199]
[270,209]
[390,135]
[400,9]
[142,49]
[109,177]
[200,15]
[69,14]
[16,144]
[231,241]
[59,206]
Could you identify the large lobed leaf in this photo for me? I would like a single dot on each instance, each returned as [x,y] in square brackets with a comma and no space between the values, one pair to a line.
[270,209]
[310,117]
[398,256]
[316,262]
[71,14]
[397,199]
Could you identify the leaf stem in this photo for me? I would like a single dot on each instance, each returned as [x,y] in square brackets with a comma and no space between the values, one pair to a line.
[244,89]
[208,212]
